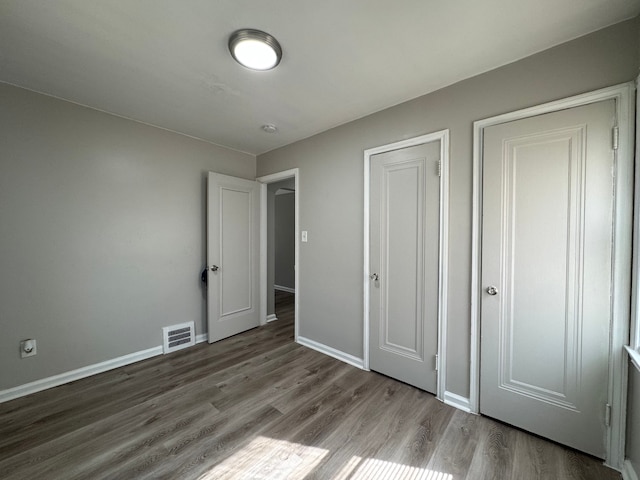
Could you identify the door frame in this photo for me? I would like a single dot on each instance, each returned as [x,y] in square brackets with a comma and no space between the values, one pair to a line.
[622,251]
[443,228]
[263,182]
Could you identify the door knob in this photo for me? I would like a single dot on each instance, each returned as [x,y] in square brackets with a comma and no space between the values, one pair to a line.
[492,290]
[374,277]
[214,268]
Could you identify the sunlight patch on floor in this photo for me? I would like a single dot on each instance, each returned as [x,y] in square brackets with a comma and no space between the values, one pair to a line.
[273,459]
[373,469]
[268,459]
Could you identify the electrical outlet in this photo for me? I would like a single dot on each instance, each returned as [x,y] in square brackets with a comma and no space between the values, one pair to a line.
[28,348]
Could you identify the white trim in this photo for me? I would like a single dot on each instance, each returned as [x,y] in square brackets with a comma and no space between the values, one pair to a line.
[443,137]
[332,352]
[443,266]
[265,180]
[366,249]
[73,375]
[628,472]
[634,338]
[634,356]
[623,95]
[263,254]
[200,338]
[271,318]
[457,401]
[284,289]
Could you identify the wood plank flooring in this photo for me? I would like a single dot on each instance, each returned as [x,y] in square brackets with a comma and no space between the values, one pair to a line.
[258,406]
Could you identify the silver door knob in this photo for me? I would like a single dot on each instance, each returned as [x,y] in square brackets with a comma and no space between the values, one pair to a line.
[214,268]
[492,290]
[374,277]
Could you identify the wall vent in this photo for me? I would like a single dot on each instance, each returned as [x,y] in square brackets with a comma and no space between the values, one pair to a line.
[177,337]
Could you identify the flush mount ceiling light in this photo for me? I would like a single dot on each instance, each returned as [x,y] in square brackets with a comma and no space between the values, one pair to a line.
[255,49]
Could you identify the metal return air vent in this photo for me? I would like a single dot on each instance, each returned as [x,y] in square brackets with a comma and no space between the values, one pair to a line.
[177,337]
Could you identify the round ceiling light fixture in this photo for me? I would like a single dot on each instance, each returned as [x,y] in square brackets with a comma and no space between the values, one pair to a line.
[255,49]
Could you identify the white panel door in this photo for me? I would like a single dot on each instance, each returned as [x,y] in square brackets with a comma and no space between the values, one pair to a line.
[546,274]
[232,255]
[404,242]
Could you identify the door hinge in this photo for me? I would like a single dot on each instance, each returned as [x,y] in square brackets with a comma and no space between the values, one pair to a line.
[607,414]
[436,361]
[439,167]
[614,137]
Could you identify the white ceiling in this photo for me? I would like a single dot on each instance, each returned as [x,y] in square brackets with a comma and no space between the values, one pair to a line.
[166,63]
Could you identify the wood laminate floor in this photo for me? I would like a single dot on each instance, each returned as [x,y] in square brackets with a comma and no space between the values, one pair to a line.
[258,406]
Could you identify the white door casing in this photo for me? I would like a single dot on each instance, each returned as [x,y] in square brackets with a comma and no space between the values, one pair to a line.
[547,239]
[264,181]
[233,245]
[621,254]
[405,245]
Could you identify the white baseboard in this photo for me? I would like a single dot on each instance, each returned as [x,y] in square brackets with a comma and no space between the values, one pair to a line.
[203,337]
[457,401]
[332,352]
[628,472]
[284,289]
[56,380]
[89,370]
[271,317]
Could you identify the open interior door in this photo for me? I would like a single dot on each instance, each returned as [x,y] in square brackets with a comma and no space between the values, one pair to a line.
[232,255]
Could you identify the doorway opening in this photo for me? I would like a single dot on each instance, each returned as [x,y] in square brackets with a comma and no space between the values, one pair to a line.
[279,247]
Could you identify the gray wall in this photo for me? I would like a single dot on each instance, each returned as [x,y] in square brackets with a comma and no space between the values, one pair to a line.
[102,233]
[331,180]
[285,240]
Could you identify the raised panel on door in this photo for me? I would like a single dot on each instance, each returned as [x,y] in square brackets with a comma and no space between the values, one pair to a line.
[232,252]
[547,233]
[235,251]
[404,226]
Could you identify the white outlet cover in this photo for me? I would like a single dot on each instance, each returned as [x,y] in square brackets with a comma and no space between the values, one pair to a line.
[304,235]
